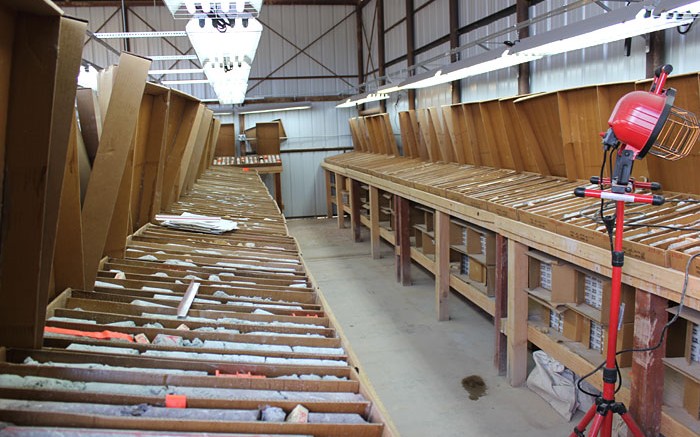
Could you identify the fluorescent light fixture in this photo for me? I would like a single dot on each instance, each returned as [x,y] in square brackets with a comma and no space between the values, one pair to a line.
[228,7]
[486,62]
[261,108]
[388,88]
[177,71]
[171,57]
[87,78]
[619,24]
[185,82]
[361,98]
[226,57]
[158,34]
[234,46]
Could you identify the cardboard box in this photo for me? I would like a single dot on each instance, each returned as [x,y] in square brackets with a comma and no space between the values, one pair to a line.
[691,398]
[482,242]
[477,271]
[602,314]
[561,284]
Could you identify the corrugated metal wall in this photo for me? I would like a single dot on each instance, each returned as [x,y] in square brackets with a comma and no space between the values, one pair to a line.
[290,28]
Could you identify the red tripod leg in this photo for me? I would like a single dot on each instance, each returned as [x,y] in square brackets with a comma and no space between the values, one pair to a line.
[581,427]
[606,430]
[632,425]
[597,424]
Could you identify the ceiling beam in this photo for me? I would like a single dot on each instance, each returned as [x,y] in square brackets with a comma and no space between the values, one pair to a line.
[117,3]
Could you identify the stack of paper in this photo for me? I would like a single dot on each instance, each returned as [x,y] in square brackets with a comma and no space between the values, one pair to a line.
[197,223]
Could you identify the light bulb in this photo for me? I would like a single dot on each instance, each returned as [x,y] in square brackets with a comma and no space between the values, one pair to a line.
[206,7]
[225,6]
[240,5]
[189,4]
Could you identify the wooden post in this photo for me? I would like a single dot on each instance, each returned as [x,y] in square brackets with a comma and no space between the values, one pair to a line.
[381,48]
[111,159]
[647,367]
[501,310]
[403,241]
[355,224]
[374,222]
[339,186]
[453,12]
[278,190]
[43,61]
[329,195]
[517,314]
[522,12]
[410,46]
[442,264]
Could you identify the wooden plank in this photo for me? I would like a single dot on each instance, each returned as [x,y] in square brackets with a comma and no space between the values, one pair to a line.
[389,135]
[403,242]
[471,143]
[103,189]
[186,123]
[90,120]
[198,152]
[212,138]
[68,258]
[452,115]
[513,131]
[226,142]
[539,119]
[375,244]
[355,203]
[516,325]
[500,350]
[496,133]
[7,30]
[438,132]
[648,367]
[408,137]
[199,134]
[329,194]
[119,227]
[442,264]
[422,148]
[339,188]
[151,176]
[38,119]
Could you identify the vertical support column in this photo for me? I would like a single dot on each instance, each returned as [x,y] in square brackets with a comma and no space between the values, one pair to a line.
[241,131]
[278,190]
[339,187]
[517,314]
[522,13]
[647,367]
[329,195]
[374,222]
[403,241]
[381,52]
[442,264]
[410,46]
[360,44]
[454,43]
[656,55]
[355,224]
[501,311]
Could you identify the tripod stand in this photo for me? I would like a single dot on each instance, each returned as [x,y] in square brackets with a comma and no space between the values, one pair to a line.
[601,413]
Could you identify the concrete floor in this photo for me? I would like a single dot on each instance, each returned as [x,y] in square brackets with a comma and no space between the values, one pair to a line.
[415,363]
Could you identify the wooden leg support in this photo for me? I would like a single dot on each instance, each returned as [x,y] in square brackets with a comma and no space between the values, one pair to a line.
[339,186]
[403,241]
[647,367]
[329,195]
[355,224]
[442,264]
[517,314]
[501,310]
[374,222]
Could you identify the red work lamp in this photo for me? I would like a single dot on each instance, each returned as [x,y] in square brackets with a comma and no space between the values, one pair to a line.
[642,122]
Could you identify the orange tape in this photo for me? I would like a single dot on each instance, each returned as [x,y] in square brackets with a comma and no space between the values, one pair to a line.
[103,335]
[175,401]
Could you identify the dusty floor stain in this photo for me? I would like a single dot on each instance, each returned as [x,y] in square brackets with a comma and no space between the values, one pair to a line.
[475,385]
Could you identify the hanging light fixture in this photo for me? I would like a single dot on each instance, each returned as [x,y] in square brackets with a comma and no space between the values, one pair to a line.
[359,99]
[483,63]
[619,24]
